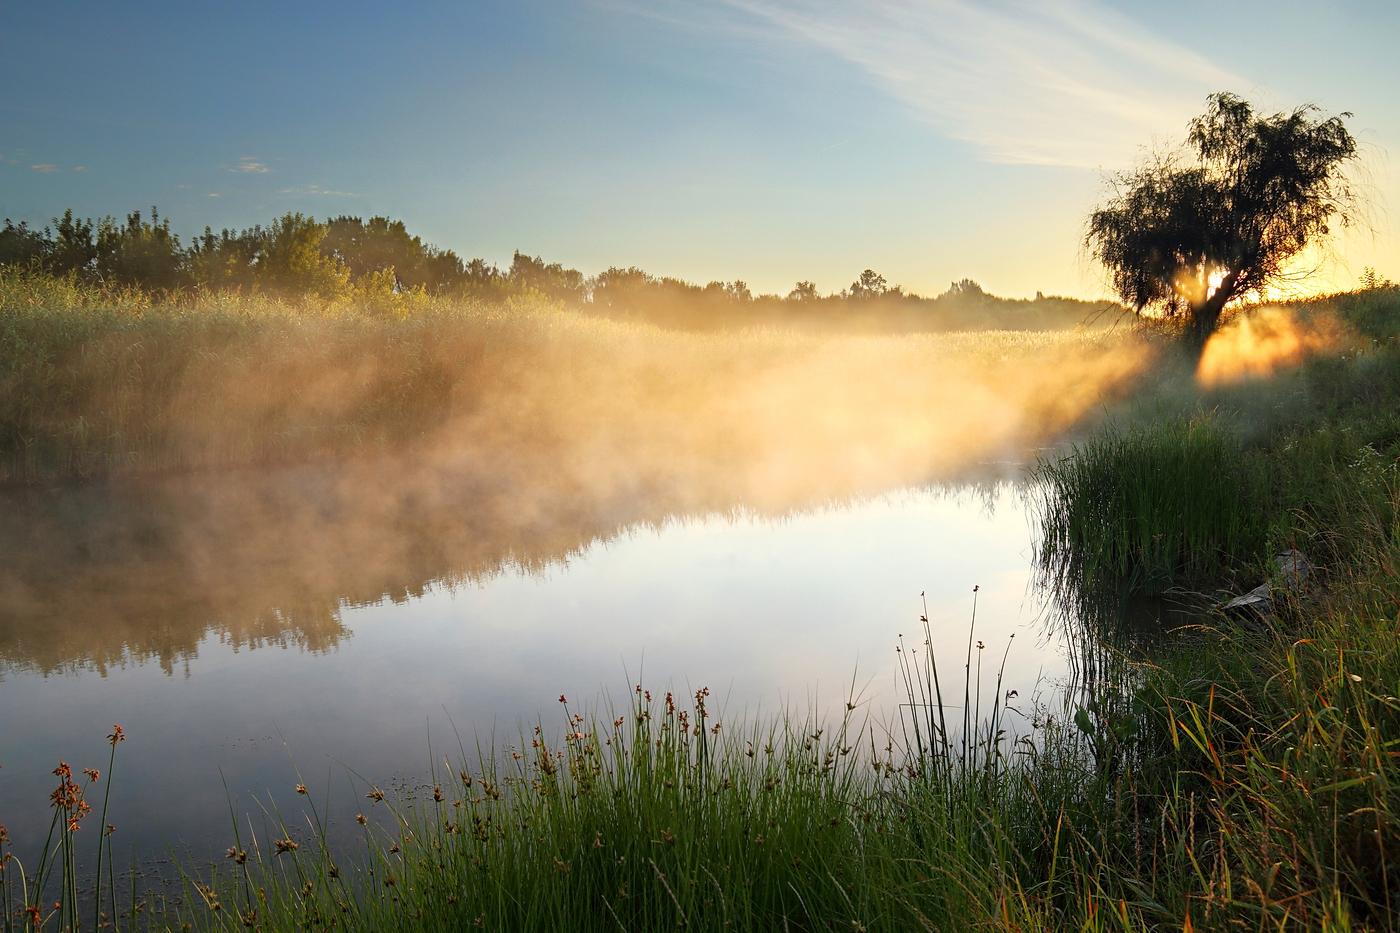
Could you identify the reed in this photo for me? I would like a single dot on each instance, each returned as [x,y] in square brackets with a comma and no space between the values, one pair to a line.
[661,817]
[1150,506]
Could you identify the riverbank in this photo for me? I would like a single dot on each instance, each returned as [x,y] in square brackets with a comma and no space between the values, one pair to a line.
[1253,753]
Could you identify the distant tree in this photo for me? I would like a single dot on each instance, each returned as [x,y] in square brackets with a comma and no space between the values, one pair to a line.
[290,260]
[736,291]
[225,260]
[1370,279]
[804,291]
[381,245]
[478,276]
[870,285]
[1187,233]
[141,254]
[551,279]
[964,290]
[74,246]
[21,246]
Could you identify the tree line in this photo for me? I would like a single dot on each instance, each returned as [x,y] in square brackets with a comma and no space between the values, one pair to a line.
[347,258]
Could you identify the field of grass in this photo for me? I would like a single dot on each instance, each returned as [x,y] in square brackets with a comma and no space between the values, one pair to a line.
[1230,774]
[117,384]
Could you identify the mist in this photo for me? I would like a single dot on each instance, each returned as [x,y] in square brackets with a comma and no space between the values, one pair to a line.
[302,465]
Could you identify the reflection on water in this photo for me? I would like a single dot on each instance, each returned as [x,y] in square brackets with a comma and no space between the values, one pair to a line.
[104,575]
[450,605]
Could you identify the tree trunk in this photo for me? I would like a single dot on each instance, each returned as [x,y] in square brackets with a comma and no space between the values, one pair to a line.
[1205,317]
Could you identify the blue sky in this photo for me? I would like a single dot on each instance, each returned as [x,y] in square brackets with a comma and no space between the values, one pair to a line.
[765,140]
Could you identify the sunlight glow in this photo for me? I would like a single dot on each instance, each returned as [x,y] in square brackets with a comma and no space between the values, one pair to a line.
[1260,343]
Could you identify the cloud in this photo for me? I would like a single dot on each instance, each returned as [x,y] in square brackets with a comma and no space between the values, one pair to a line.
[247,164]
[316,189]
[211,195]
[1056,82]
[80,168]
[46,168]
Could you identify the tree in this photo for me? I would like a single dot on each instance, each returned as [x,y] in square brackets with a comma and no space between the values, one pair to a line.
[1189,232]
[965,290]
[551,279]
[290,260]
[142,254]
[21,246]
[871,284]
[380,245]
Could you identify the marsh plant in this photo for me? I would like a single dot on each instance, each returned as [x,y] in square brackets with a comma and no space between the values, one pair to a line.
[47,892]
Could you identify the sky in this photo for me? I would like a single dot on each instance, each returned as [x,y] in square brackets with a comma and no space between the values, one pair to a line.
[765,140]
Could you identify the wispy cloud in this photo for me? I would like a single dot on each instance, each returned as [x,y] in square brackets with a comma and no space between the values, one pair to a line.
[44,167]
[247,164]
[316,189]
[1056,82]
[80,168]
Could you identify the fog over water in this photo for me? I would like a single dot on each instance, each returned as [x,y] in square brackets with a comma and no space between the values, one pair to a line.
[588,507]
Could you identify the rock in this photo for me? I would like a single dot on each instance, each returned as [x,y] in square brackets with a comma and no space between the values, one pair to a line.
[1294,568]
[1257,603]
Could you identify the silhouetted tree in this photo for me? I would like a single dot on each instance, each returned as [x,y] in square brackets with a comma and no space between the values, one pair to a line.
[141,254]
[74,246]
[870,285]
[550,278]
[21,246]
[1189,233]
[964,290]
[804,291]
[381,245]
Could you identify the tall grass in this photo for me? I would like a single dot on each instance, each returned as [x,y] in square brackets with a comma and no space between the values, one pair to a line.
[48,890]
[1257,759]
[1147,507]
[656,817]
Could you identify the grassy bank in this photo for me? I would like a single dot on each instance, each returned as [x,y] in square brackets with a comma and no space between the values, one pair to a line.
[1264,746]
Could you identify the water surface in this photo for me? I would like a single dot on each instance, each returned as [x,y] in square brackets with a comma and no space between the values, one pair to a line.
[243,633]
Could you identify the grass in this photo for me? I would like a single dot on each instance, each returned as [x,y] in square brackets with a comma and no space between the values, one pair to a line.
[1263,750]
[97,383]
[1150,506]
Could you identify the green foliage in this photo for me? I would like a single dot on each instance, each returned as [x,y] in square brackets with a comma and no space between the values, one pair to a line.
[290,260]
[378,263]
[380,245]
[1159,503]
[532,273]
[141,254]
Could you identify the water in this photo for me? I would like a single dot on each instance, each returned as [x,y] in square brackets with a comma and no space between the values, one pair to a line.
[249,636]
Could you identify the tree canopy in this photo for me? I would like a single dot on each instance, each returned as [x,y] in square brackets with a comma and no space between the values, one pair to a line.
[377,265]
[1190,231]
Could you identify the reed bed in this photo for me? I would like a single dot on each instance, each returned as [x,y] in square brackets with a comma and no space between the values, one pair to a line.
[1146,507]
[99,383]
